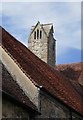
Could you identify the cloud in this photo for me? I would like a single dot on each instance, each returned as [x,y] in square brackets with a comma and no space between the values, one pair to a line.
[65,16]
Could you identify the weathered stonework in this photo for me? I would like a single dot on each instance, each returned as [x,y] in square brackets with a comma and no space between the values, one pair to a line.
[43,45]
[51,108]
[12,110]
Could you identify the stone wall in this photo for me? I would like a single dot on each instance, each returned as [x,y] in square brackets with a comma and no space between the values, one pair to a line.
[38,46]
[51,108]
[10,109]
[51,51]
[44,48]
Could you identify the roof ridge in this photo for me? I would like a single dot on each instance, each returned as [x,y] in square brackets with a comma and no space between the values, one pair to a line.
[47,24]
[70,63]
[44,24]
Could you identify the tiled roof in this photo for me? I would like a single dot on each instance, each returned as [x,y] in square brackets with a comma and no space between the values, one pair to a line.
[42,74]
[73,71]
[10,87]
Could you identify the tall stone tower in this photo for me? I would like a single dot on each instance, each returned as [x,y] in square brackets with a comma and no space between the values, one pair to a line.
[42,43]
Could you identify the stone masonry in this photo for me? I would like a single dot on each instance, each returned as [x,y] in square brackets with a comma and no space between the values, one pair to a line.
[42,43]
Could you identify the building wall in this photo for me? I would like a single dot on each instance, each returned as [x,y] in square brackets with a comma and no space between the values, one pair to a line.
[51,108]
[12,110]
[20,77]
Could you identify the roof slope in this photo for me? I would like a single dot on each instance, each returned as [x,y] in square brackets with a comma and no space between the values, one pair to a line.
[45,27]
[73,71]
[10,87]
[41,73]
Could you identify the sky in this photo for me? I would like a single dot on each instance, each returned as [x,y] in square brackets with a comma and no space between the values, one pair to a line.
[18,17]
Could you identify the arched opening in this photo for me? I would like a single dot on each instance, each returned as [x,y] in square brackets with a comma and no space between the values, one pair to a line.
[40,34]
[35,35]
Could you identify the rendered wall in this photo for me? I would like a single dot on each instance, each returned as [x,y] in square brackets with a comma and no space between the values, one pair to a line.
[24,82]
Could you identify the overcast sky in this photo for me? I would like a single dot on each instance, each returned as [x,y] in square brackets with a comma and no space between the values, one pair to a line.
[18,17]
